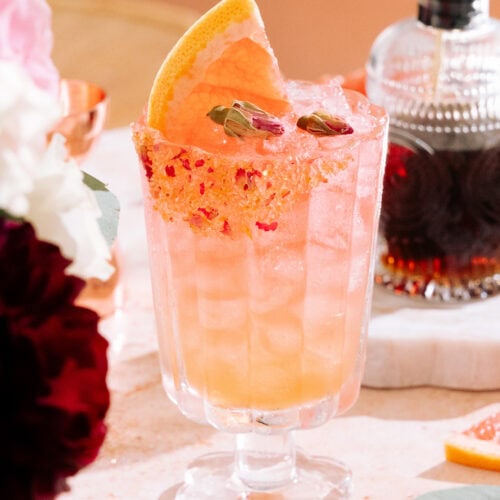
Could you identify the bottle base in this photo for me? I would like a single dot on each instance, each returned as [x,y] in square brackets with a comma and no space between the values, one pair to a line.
[440,290]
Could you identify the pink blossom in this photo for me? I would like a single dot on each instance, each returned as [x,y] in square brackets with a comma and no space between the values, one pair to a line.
[26,37]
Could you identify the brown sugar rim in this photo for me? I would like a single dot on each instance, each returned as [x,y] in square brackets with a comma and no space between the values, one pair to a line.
[224,195]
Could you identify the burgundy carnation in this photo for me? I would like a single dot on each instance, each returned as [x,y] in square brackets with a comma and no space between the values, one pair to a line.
[53,369]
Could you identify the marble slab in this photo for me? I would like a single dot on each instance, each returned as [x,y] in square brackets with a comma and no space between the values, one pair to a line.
[412,344]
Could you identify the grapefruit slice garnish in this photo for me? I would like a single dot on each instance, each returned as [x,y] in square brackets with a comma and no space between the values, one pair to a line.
[224,56]
[479,445]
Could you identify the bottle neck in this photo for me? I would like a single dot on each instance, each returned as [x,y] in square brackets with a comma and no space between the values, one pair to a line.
[453,14]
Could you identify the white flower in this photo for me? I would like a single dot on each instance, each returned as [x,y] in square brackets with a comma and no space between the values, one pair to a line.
[64,211]
[38,184]
[26,113]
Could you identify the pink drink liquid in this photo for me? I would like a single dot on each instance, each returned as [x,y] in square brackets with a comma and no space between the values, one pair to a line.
[275,319]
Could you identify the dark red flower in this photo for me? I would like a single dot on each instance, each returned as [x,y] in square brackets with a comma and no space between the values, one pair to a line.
[53,369]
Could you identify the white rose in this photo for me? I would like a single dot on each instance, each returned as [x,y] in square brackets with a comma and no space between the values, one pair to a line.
[26,113]
[64,211]
[38,184]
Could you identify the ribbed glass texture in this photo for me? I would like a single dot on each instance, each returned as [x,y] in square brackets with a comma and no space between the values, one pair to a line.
[267,333]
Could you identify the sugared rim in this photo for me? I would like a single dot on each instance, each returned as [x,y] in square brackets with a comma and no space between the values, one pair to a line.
[234,194]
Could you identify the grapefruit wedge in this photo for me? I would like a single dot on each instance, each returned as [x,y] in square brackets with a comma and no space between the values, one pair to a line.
[224,56]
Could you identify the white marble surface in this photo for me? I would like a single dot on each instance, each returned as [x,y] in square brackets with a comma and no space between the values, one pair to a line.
[392,439]
[452,346]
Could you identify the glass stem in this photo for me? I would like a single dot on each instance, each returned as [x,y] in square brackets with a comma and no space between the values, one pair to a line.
[265,461]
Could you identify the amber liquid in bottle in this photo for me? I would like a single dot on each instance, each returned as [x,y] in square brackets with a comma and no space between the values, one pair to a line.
[441,213]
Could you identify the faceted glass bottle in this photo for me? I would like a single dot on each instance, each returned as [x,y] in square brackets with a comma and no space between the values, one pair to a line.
[438,76]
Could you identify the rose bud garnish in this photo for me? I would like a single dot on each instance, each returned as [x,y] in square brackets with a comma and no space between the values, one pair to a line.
[322,123]
[244,119]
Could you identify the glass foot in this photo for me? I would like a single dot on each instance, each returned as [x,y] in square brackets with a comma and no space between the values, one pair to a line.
[213,476]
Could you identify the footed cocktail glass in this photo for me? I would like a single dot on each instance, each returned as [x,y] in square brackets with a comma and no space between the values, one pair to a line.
[263,331]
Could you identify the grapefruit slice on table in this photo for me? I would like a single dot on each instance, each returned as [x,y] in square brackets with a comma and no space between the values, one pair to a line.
[224,56]
[479,445]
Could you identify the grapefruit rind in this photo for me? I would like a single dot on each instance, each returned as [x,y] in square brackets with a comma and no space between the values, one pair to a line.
[468,450]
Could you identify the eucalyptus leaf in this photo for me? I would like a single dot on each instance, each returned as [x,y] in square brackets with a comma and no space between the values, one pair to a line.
[109,205]
[93,183]
[477,492]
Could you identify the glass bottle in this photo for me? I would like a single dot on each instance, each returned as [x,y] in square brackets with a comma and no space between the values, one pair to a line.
[438,76]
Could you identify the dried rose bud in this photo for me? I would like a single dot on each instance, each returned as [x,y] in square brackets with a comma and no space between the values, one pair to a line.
[244,119]
[321,123]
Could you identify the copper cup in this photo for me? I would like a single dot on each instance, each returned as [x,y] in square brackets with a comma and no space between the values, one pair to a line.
[85,107]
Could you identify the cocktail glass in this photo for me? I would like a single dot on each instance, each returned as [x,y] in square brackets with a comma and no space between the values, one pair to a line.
[264,333]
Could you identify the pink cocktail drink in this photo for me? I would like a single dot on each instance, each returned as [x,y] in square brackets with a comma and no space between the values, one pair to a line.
[262,199]
[262,266]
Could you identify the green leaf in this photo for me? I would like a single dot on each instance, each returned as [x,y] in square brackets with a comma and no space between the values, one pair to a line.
[93,183]
[467,493]
[6,215]
[109,205]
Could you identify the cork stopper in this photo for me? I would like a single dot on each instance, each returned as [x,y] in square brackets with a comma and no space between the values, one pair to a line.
[452,14]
